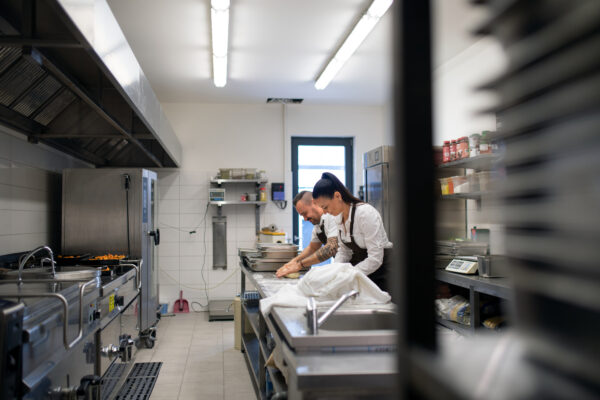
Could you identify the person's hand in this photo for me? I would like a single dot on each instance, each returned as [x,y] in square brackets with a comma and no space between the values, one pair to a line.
[292,266]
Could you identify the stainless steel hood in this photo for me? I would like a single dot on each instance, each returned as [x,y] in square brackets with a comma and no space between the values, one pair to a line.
[69,79]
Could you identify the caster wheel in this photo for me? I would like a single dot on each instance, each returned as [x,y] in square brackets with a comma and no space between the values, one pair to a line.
[148,343]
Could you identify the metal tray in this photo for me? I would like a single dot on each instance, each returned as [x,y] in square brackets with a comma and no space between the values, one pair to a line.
[277,246]
[264,264]
[279,254]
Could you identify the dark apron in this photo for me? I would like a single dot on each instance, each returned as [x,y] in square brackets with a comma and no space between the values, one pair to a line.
[379,276]
[321,235]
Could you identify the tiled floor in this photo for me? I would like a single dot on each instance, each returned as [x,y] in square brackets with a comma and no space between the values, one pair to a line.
[199,360]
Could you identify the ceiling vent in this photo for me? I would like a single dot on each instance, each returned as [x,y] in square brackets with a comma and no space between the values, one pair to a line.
[284,101]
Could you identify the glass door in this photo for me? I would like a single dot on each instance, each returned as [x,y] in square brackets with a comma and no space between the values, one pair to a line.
[310,158]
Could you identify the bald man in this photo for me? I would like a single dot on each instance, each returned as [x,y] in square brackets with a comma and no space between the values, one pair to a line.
[324,241]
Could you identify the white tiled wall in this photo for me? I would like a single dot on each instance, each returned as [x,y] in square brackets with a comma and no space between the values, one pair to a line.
[30,193]
[185,252]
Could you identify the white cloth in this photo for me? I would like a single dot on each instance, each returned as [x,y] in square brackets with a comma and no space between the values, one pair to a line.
[331,228]
[327,285]
[368,233]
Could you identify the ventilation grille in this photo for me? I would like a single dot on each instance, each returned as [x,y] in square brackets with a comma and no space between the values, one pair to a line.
[282,100]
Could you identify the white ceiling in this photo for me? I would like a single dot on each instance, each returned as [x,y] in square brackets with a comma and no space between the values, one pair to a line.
[277,48]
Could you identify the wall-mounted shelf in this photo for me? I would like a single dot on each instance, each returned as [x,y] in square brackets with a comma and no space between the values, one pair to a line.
[464,330]
[482,162]
[236,202]
[220,181]
[463,196]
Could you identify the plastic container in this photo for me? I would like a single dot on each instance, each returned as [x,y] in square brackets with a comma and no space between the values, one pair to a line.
[461,184]
[238,173]
[484,144]
[252,196]
[447,186]
[250,173]
[225,173]
[474,144]
[485,181]
[473,180]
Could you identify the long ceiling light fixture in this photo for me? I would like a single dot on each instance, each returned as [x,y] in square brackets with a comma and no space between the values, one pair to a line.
[219,15]
[360,31]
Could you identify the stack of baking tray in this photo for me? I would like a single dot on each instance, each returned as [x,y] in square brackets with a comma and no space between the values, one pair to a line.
[461,248]
[268,256]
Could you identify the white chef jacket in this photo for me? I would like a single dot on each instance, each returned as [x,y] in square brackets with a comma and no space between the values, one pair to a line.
[369,234]
[330,227]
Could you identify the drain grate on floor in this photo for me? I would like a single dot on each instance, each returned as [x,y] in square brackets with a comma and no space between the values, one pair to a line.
[145,369]
[110,380]
[140,381]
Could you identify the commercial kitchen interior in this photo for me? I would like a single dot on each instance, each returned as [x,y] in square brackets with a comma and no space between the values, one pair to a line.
[525,72]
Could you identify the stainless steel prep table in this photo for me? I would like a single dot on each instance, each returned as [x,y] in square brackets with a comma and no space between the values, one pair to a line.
[311,375]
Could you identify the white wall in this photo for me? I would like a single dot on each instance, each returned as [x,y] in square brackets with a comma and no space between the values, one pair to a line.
[237,135]
[457,102]
[457,107]
[30,193]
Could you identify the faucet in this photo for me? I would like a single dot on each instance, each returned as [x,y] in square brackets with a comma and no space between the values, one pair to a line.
[313,322]
[25,258]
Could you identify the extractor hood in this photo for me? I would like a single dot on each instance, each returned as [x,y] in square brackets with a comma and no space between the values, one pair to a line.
[69,79]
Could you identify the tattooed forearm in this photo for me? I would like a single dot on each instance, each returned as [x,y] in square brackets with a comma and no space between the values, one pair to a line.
[328,250]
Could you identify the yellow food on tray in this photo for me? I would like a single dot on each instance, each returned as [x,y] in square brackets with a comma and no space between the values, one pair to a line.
[109,256]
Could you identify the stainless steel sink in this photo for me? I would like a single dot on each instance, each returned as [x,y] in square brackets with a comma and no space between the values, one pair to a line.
[360,320]
[368,328]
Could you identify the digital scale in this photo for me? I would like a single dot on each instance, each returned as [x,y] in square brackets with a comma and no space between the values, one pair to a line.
[463,266]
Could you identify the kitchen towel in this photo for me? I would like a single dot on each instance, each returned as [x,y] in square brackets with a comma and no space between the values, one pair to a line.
[326,285]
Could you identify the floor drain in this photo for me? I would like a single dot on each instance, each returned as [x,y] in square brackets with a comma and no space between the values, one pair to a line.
[138,385]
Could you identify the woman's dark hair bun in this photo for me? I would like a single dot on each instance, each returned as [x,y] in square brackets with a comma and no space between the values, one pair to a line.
[328,185]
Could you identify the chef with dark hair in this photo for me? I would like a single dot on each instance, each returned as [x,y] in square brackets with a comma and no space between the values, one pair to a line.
[363,240]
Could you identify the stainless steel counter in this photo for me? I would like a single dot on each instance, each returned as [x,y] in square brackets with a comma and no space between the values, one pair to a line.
[332,371]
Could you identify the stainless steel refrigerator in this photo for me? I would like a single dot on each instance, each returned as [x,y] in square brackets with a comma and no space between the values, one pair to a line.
[377,183]
[114,210]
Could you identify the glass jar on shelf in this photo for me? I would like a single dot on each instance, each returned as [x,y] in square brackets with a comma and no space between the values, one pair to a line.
[446,151]
[262,195]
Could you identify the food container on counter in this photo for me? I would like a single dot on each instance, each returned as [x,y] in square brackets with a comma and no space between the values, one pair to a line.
[461,184]
[447,186]
[252,196]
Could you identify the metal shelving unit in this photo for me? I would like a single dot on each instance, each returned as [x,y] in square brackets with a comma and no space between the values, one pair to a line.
[220,181]
[498,287]
[482,162]
[236,202]
[465,196]
[257,204]
[465,330]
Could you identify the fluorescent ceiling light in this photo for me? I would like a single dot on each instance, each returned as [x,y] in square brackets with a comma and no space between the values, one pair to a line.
[362,29]
[219,15]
